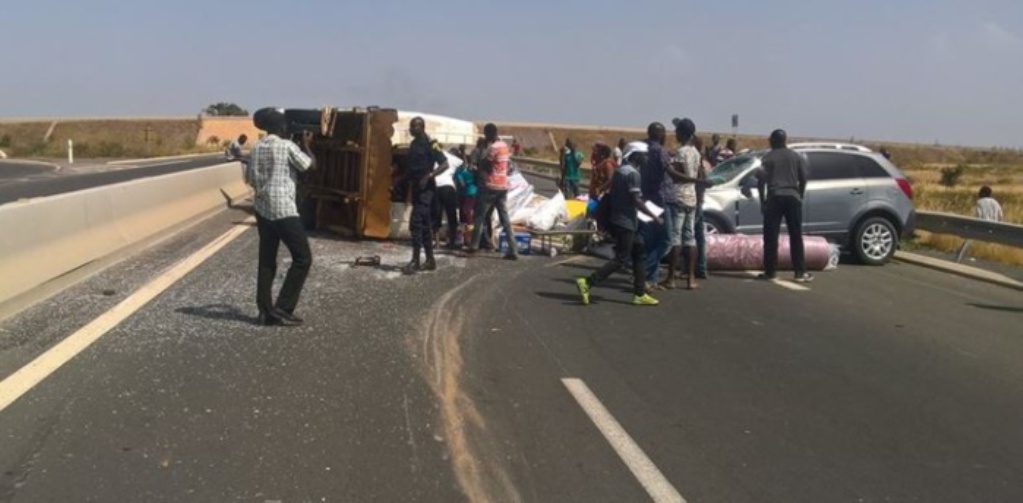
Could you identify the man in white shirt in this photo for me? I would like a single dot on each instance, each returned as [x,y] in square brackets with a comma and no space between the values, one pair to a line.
[987,207]
[234,150]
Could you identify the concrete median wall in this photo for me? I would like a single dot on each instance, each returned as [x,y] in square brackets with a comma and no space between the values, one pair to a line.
[46,238]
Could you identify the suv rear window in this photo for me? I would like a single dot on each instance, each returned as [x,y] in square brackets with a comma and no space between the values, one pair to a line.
[832,166]
[869,168]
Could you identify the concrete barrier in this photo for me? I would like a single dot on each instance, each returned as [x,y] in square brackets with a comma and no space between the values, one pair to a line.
[46,238]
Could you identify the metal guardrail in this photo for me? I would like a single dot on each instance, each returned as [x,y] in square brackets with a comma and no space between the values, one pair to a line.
[546,169]
[970,228]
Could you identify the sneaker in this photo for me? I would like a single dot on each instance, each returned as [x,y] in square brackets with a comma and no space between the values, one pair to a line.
[766,277]
[511,256]
[804,278]
[645,300]
[429,265]
[584,290]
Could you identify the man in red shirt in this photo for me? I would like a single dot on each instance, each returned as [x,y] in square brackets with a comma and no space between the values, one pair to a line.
[494,191]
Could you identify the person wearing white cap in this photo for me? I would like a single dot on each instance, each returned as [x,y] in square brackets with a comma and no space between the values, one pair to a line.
[619,210]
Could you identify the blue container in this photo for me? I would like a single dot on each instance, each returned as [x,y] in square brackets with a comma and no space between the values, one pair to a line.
[522,239]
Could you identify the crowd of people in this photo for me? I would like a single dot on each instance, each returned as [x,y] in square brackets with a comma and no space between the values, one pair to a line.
[649,202]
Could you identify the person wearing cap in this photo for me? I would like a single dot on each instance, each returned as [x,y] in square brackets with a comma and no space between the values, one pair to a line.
[625,203]
[783,173]
[425,161]
[271,172]
[686,173]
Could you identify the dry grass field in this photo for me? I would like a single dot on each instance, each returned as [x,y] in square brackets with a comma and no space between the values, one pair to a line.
[101,138]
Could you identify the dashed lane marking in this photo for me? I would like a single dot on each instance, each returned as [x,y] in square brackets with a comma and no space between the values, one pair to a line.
[639,464]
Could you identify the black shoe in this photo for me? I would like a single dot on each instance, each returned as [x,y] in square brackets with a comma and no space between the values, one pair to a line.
[766,277]
[285,318]
[411,268]
[288,317]
[269,320]
[429,265]
[511,256]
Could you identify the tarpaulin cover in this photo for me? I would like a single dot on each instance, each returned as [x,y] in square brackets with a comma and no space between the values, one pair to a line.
[737,252]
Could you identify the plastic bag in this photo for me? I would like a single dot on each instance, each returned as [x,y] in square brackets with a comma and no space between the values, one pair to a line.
[547,216]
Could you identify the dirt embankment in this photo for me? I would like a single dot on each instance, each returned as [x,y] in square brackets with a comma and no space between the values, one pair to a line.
[113,138]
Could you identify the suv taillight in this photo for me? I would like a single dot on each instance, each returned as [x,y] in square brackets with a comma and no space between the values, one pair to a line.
[905,186]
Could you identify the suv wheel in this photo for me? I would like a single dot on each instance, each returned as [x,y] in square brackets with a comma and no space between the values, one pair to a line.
[876,241]
[712,225]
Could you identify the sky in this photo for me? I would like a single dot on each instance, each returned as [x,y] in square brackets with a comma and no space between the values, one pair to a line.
[948,71]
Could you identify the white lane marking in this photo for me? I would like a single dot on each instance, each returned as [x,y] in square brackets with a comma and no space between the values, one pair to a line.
[642,468]
[169,163]
[782,283]
[17,384]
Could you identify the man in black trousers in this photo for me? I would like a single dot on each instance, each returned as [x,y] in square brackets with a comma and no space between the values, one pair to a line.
[273,165]
[783,173]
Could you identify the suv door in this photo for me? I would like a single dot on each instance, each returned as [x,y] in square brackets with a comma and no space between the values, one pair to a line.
[748,217]
[835,192]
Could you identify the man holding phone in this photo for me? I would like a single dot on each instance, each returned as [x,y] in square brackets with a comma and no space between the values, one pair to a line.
[271,171]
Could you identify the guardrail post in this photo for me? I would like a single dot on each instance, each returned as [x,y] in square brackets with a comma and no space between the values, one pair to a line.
[70,151]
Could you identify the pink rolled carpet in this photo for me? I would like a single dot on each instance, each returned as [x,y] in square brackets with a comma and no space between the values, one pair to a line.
[737,252]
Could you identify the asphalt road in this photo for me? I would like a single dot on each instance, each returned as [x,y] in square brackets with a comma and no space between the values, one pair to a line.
[14,169]
[875,384]
[40,184]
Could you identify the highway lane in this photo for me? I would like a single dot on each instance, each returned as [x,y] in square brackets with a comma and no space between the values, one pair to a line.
[189,400]
[14,169]
[26,188]
[877,384]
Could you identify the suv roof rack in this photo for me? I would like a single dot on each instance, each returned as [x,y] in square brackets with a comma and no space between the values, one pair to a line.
[832,145]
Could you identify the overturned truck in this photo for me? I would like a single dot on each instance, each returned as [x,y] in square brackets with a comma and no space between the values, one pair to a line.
[358,151]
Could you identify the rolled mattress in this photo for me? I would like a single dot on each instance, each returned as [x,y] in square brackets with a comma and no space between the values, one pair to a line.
[736,252]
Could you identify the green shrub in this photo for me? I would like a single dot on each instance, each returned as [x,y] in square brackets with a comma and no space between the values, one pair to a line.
[950,176]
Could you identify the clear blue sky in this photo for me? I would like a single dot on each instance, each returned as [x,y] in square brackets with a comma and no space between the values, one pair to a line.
[946,70]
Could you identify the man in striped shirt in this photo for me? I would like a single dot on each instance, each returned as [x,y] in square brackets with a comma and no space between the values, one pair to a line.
[273,164]
[494,194]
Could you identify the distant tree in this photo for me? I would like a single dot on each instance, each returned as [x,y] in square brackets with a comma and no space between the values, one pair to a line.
[226,110]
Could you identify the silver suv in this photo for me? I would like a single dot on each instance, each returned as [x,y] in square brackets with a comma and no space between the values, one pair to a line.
[854,197]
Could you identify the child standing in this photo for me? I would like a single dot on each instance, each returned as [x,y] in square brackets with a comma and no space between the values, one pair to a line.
[465,181]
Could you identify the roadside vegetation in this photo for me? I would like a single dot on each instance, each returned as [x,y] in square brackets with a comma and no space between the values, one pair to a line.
[102,138]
